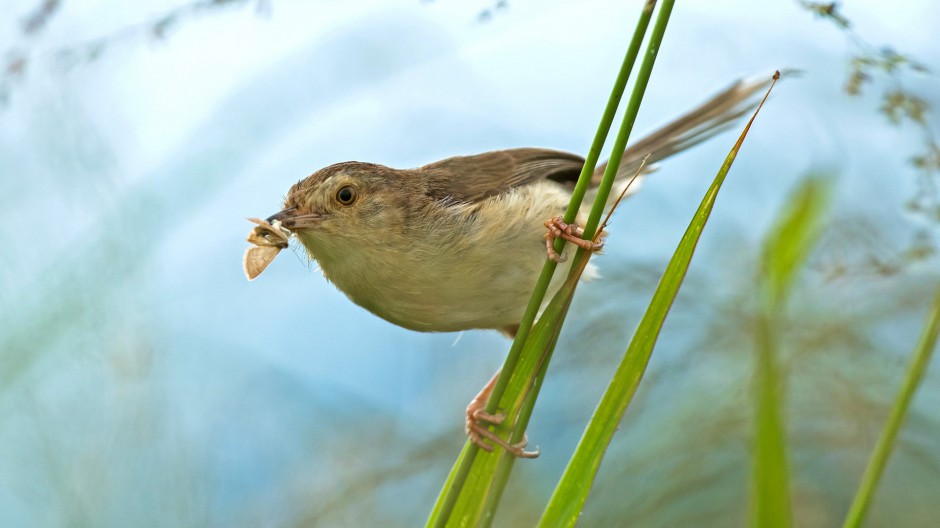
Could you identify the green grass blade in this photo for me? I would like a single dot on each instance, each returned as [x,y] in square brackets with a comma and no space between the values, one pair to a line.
[566,503]
[879,457]
[786,248]
[490,471]
[792,238]
[460,483]
[770,481]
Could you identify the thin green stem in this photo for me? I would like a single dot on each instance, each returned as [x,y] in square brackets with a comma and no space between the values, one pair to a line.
[574,205]
[505,463]
[879,457]
[459,475]
[629,118]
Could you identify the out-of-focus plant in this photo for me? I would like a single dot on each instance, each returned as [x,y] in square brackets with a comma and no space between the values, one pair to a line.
[786,248]
[18,60]
[879,457]
[899,104]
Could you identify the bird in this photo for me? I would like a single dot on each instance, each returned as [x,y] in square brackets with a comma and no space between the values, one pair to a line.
[458,244]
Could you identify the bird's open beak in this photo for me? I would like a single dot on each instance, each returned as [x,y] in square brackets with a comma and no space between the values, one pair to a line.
[291,219]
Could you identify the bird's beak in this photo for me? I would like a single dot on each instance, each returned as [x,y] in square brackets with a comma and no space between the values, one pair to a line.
[291,219]
[282,215]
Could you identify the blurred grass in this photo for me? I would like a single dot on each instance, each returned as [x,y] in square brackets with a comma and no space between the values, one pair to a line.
[879,458]
[786,248]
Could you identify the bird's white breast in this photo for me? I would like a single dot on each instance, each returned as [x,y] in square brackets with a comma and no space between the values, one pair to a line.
[457,267]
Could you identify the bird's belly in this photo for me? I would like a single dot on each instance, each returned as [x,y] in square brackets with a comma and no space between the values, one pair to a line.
[452,292]
[476,269]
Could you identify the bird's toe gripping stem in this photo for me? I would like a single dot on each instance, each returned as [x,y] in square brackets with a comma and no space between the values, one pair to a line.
[557,228]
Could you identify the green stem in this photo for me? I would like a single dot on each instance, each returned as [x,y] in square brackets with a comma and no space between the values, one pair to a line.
[558,514]
[574,205]
[879,457]
[505,463]
[629,118]
[461,470]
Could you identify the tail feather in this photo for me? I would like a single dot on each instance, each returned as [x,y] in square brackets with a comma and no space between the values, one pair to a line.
[710,118]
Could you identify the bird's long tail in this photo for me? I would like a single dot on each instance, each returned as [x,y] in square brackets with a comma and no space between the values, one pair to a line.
[709,118]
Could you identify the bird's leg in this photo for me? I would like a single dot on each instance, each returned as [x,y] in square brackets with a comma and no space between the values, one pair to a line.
[480,433]
[557,228]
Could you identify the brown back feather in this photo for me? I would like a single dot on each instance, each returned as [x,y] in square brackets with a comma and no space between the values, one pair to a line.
[473,178]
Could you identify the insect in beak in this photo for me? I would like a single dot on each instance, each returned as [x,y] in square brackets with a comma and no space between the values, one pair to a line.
[269,238]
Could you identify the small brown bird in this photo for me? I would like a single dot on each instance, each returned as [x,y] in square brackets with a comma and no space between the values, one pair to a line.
[459,243]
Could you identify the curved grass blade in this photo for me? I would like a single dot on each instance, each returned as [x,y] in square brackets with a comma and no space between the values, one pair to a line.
[879,457]
[791,240]
[566,503]
[786,248]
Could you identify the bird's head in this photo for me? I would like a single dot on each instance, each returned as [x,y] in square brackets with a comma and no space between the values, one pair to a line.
[345,202]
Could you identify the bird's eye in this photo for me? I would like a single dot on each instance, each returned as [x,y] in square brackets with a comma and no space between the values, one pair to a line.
[346,195]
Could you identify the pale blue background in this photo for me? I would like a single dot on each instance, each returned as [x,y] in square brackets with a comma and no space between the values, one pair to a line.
[145,382]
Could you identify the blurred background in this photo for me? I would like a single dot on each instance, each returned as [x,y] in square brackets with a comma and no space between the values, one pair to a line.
[145,382]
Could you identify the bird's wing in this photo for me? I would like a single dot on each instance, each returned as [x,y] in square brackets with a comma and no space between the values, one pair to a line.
[473,178]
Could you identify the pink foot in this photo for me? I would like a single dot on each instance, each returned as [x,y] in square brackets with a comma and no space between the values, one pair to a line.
[557,228]
[481,435]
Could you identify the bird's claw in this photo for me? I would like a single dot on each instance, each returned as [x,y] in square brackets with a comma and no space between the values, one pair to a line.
[481,435]
[486,439]
[557,228]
